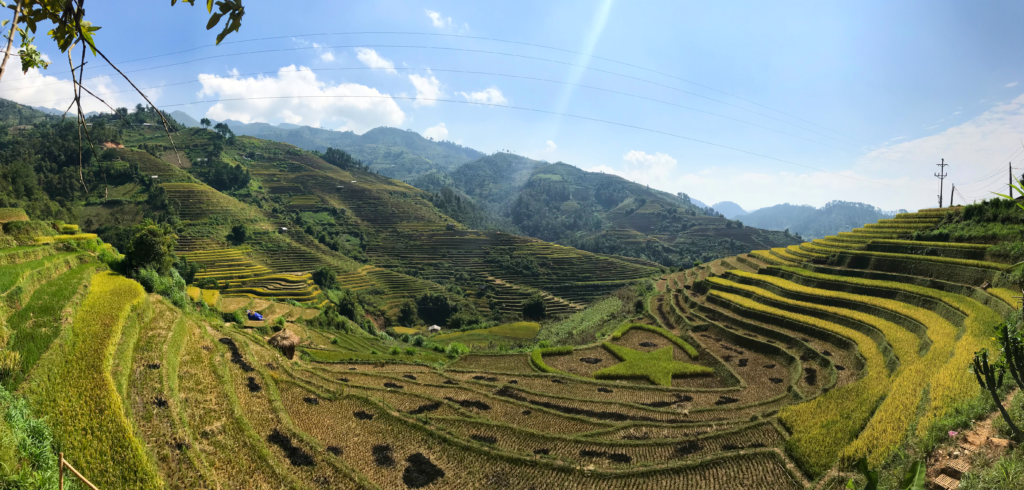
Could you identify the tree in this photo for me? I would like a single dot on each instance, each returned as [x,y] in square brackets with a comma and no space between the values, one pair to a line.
[407,314]
[205,123]
[152,247]
[341,159]
[534,307]
[240,233]
[223,129]
[71,26]
[435,308]
[324,277]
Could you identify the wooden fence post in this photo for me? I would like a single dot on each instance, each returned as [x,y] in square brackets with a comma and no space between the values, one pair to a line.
[61,477]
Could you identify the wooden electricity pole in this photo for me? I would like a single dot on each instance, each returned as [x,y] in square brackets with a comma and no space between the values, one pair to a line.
[1011,180]
[941,175]
[951,191]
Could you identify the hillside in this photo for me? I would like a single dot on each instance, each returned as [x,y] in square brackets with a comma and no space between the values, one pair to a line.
[599,212]
[811,222]
[392,152]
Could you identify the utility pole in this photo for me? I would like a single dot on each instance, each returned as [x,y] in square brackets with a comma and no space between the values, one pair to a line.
[941,175]
[1011,180]
[951,191]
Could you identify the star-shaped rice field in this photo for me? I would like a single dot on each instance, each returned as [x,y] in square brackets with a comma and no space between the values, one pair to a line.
[657,366]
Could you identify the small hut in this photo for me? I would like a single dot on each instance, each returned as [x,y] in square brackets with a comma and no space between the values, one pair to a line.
[285,341]
[433,329]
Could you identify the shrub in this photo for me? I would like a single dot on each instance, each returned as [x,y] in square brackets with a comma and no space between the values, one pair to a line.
[151,248]
[395,351]
[409,351]
[324,277]
[456,349]
[240,234]
[534,307]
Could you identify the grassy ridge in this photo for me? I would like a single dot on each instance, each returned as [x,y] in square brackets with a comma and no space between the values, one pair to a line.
[73,388]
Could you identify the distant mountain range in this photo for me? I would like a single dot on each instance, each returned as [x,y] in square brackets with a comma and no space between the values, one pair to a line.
[811,222]
[551,201]
[729,209]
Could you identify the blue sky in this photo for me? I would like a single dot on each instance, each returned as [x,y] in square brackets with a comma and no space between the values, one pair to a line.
[758,103]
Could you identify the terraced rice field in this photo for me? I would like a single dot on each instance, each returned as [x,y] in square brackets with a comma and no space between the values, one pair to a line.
[762,371]
[568,279]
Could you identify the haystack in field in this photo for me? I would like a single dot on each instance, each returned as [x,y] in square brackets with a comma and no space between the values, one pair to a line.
[285,341]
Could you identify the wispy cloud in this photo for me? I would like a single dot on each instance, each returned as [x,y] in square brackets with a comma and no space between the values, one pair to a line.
[427,89]
[442,22]
[1011,84]
[486,96]
[371,59]
[550,146]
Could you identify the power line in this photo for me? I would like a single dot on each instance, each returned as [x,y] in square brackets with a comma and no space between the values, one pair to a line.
[534,58]
[540,111]
[443,70]
[505,41]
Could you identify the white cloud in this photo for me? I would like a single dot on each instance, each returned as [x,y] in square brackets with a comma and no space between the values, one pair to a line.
[550,146]
[371,59]
[1011,84]
[350,106]
[35,89]
[486,96]
[439,21]
[427,89]
[439,132]
[323,52]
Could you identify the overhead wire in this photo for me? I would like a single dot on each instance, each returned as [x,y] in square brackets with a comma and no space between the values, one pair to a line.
[443,70]
[505,41]
[630,77]
[542,111]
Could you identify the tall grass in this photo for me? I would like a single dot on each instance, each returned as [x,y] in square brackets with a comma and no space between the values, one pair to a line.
[74,390]
[27,456]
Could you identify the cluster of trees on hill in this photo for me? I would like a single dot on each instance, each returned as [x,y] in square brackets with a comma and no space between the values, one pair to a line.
[40,173]
[341,159]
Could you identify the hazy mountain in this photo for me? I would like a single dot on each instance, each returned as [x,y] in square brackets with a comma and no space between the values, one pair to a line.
[811,222]
[729,209]
[185,119]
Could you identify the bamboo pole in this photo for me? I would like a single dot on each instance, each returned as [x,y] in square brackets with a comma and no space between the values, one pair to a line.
[64,463]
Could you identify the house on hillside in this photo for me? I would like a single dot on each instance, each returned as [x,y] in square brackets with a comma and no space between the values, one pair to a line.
[433,329]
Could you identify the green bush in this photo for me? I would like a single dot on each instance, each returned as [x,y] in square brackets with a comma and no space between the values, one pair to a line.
[534,307]
[324,277]
[456,349]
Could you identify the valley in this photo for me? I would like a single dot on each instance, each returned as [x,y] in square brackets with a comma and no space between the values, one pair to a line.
[600,334]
